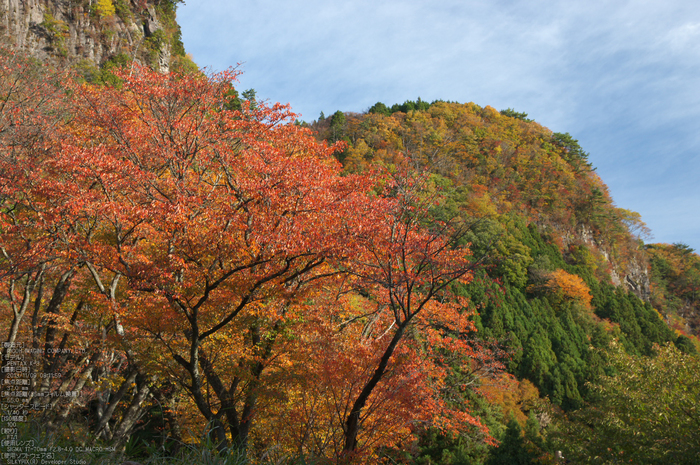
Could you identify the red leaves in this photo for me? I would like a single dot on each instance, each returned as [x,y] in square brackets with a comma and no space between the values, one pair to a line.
[213,236]
[182,181]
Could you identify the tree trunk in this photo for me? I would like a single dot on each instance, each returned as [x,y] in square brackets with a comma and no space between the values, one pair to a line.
[352,424]
[114,400]
[133,413]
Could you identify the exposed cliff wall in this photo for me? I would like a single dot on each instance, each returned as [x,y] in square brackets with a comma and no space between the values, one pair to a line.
[93,31]
[631,272]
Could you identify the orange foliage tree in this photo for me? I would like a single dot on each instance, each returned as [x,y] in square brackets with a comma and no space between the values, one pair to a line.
[408,270]
[50,292]
[210,249]
[384,337]
[215,218]
[568,287]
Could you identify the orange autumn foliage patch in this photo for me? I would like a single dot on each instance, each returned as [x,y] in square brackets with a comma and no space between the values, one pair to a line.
[570,287]
[513,396]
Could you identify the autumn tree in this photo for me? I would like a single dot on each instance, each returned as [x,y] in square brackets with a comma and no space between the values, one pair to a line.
[563,286]
[675,276]
[49,291]
[214,218]
[30,111]
[164,215]
[335,351]
[32,264]
[408,268]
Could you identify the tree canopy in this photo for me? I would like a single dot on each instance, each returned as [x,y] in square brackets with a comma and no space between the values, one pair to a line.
[644,411]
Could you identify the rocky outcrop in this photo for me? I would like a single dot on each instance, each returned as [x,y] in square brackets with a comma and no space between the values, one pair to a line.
[634,276]
[637,279]
[632,271]
[92,31]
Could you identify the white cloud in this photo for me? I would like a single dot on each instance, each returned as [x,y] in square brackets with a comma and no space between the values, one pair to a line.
[684,38]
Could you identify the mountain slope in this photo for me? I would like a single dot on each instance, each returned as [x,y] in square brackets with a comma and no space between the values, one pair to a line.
[573,270]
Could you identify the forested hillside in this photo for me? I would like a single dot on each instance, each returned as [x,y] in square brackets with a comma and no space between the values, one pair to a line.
[566,272]
[193,276]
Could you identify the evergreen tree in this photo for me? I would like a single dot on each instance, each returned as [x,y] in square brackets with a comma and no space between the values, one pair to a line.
[512,450]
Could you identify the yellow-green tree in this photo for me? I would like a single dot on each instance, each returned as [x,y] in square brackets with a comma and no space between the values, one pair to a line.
[105,8]
[646,412]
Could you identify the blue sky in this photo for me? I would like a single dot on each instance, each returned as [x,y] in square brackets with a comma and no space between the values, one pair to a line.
[622,77]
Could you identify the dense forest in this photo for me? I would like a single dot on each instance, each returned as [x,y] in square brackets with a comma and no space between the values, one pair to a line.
[193,276]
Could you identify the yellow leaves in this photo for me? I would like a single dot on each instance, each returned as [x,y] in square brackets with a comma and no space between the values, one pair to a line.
[633,221]
[571,287]
[472,145]
[491,112]
[110,383]
[480,203]
[104,8]
[357,157]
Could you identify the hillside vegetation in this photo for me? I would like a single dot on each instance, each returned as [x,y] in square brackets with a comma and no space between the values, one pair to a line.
[193,270]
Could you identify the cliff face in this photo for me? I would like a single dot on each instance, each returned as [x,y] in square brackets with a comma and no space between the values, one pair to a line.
[637,279]
[93,31]
[634,275]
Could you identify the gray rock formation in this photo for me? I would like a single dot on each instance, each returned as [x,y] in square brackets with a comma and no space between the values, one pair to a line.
[94,30]
[634,275]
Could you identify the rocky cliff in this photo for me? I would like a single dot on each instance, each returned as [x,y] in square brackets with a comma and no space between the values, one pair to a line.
[633,274]
[92,32]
